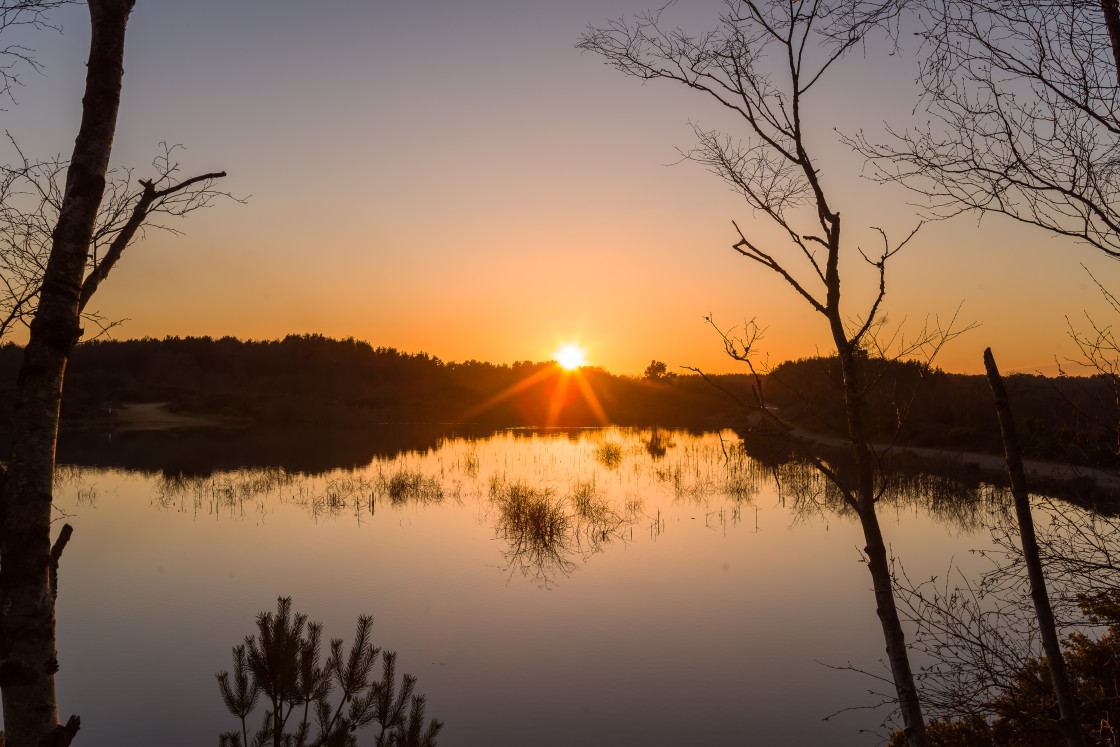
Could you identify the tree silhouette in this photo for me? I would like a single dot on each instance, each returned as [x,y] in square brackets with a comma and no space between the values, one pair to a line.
[761,63]
[73,267]
[313,704]
[1023,97]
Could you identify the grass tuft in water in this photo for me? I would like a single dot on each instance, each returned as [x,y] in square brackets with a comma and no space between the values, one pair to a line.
[529,515]
[609,455]
[406,486]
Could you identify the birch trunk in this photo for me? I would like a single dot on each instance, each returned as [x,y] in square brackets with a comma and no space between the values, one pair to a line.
[27,600]
[1070,723]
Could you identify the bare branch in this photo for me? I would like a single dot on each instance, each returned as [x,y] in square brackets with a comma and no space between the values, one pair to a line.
[32,14]
[30,198]
[1026,117]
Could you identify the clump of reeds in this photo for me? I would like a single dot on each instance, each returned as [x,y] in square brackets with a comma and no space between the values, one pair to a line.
[597,522]
[406,486]
[471,463]
[583,498]
[529,516]
[609,455]
[589,504]
[741,481]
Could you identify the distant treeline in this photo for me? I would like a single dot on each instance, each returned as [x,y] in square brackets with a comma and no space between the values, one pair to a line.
[311,380]
[1069,418]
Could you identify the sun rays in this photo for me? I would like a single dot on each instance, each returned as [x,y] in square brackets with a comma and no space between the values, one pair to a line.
[552,382]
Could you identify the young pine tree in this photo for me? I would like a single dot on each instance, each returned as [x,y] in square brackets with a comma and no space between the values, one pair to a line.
[313,705]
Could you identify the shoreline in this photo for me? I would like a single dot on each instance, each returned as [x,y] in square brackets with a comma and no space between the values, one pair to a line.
[155,416]
[1035,469]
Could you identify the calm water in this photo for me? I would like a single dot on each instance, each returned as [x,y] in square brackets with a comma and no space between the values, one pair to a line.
[689,598]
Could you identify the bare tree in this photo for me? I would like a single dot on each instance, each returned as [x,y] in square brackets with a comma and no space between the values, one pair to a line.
[1024,96]
[31,194]
[15,58]
[1025,108]
[761,63]
[82,252]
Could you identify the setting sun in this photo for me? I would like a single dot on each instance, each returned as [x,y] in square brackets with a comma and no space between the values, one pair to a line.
[571,356]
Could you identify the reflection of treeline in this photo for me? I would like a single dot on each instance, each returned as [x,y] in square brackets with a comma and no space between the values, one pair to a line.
[942,480]
[952,497]
[313,379]
[1070,418]
[201,452]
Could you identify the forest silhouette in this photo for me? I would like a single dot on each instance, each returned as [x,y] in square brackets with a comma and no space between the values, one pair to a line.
[312,381]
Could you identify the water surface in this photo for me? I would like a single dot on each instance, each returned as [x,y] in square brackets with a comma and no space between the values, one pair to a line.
[686,595]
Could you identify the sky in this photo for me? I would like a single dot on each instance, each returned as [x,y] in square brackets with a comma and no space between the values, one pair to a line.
[456,178]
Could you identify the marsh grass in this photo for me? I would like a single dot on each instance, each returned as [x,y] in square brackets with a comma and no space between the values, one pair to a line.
[586,499]
[471,463]
[551,500]
[742,481]
[409,486]
[226,492]
[338,494]
[597,522]
[609,455]
[536,529]
[529,514]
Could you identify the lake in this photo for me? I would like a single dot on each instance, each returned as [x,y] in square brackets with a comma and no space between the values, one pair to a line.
[687,592]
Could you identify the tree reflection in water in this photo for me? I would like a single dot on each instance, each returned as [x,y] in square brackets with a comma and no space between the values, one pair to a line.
[658,444]
[949,492]
[553,505]
[562,504]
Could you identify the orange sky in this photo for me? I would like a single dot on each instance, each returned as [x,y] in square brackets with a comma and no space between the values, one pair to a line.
[462,181]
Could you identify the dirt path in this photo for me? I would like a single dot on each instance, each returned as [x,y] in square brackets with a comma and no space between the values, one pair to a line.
[986,462]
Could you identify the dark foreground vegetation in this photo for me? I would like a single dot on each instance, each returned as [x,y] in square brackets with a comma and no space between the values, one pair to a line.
[1025,714]
[314,381]
[311,703]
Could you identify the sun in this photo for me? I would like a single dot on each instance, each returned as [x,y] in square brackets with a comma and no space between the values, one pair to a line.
[570,356]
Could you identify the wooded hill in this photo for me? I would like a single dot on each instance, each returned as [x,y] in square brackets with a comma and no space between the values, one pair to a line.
[313,380]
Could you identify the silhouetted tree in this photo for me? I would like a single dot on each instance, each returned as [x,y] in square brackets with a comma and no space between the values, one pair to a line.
[1069,722]
[74,267]
[760,64]
[1023,96]
[310,703]
[656,371]
[15,58]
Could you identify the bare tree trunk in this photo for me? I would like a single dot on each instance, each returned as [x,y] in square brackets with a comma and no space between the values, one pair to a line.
[27,601]
[1112,21]
[1070,724]
[875,548]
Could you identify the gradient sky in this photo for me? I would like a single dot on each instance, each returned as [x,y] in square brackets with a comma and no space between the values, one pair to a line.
[456,178]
